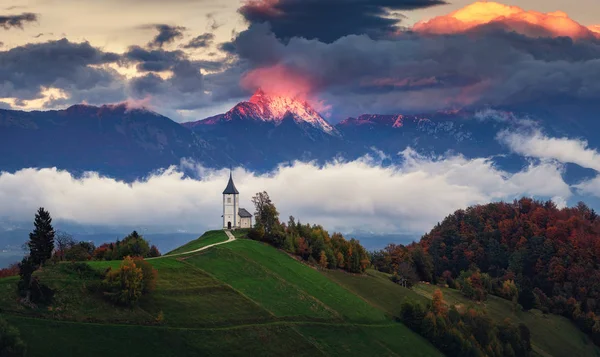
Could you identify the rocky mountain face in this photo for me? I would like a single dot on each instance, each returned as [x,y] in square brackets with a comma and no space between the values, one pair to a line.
[258,134]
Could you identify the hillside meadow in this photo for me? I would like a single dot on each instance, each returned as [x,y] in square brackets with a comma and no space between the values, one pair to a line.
[240,298]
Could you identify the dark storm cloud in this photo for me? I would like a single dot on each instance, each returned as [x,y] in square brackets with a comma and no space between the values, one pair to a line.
[153,60]
[328,20]
[358,74]
[166,34]
[202,41]
[62,64]
[10,21]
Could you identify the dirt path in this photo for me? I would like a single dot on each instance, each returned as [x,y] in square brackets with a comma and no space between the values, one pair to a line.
[229,235]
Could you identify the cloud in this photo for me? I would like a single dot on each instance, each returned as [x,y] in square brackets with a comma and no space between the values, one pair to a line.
[328,20]
[11,21]
[166,34]
[540,146]
[346,196]
[202,41]
[77,69]
[414,73]
[492,14]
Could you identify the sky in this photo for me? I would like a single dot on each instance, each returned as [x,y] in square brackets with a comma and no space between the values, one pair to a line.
[194,58]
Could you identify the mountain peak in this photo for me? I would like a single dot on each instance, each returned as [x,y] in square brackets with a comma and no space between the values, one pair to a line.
[275,108]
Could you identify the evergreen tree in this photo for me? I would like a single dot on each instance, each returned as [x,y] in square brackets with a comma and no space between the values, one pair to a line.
[41,240]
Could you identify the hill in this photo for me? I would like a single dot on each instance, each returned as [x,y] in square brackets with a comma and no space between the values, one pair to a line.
[526,256]
[239,298]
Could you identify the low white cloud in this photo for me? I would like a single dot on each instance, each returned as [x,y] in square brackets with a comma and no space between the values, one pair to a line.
[540,146]
[344,196]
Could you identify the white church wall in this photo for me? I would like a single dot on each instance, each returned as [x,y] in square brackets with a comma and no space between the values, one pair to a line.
[245,222]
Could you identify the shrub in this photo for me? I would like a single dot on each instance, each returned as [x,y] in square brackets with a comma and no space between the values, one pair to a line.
[11,344]
[126,285]
[12,270]
[78,253]
[30,287]
[149,275]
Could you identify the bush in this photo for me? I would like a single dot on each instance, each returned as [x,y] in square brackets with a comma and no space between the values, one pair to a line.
[126,285]
[12,270]
[149,275]
[30,287]
[81,269]
[11,344]
[78,253]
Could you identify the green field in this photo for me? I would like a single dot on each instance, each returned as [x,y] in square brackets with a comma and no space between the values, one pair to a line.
[240,298]
[376,288]
[208,238]
[551,335]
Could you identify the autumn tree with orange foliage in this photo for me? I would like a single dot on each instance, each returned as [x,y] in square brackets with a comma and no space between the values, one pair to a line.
[126,285]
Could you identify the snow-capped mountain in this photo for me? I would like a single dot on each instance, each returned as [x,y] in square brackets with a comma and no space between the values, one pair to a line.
[274,109]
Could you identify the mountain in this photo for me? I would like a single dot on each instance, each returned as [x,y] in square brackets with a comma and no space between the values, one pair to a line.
[267,130]
[271,109]
[111,139]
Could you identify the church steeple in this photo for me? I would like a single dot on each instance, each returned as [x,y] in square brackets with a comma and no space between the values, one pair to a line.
[230,189]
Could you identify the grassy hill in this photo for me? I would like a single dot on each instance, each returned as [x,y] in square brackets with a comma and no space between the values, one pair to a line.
[551,335]
[240,298]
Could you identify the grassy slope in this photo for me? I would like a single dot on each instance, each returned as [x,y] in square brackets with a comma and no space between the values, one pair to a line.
[210,237]
[241,298]
[551,335]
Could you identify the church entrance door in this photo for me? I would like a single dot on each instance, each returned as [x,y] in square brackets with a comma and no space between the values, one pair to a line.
[228,225]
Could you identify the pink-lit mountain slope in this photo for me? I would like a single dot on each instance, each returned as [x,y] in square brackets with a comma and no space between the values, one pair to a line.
[274,109]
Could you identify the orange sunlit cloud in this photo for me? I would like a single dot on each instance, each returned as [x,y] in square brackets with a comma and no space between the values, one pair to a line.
[281,81]
[278,80]
[529,23]
[263,6]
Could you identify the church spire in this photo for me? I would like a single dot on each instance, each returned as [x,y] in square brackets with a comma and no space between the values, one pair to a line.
[230,189]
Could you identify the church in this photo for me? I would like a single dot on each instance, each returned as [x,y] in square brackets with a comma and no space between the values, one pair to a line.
[233,216]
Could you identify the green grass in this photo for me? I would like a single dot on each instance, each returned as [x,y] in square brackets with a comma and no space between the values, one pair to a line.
[241,298]
[348,305]
[44,337]
[256,282]
[208,238]
[394,340]
[287,273]
[551,335]
[377,289]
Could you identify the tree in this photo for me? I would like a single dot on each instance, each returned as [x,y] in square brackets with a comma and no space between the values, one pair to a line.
[406,275]
[438,305]
[260,200]
[41,240]
[125,285]
[154,252]
[64,241]
[323,260]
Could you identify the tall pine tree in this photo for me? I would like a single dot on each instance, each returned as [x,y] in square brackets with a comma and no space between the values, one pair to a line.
[41,240]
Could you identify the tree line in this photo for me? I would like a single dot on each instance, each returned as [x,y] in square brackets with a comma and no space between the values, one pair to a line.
[528,252]
[468,333]
[312,243]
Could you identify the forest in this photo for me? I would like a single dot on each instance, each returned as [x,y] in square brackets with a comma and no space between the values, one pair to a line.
[529,252]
